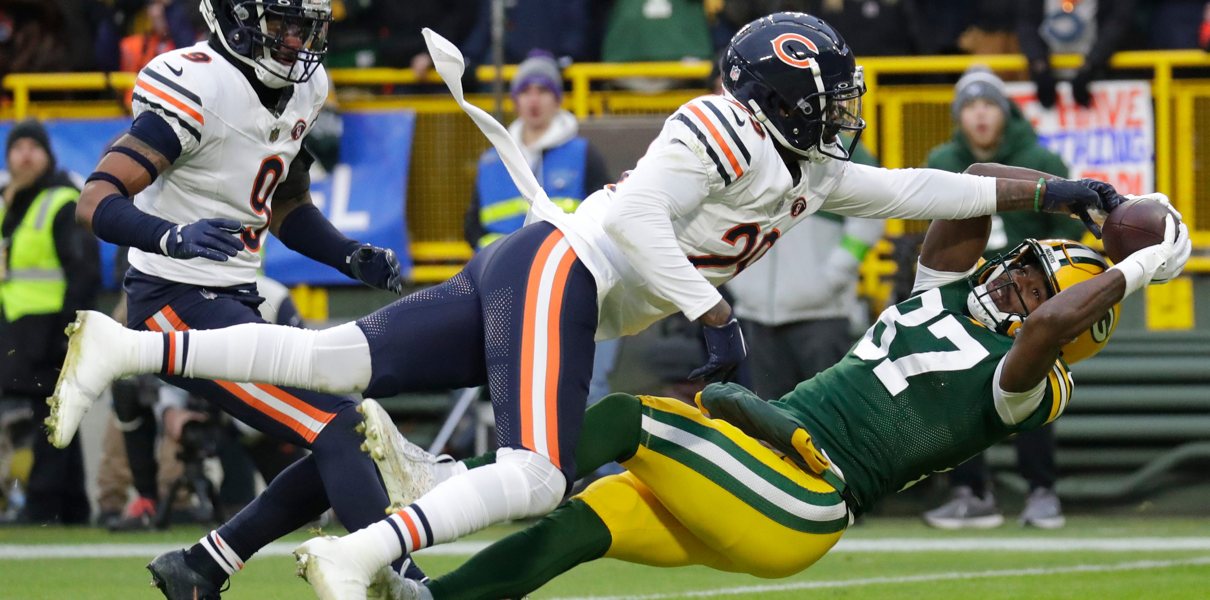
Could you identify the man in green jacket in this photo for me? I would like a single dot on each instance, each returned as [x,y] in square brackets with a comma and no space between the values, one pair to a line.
[48,270]
[990,128]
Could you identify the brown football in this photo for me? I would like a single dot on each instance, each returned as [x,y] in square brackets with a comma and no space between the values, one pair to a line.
[1133,225]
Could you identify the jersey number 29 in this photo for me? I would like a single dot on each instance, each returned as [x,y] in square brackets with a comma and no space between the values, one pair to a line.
[893,372]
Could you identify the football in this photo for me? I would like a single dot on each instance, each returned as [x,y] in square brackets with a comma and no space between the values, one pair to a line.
[1133,225]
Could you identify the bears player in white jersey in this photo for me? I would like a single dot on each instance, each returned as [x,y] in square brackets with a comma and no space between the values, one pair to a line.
[213,161]
[726,177]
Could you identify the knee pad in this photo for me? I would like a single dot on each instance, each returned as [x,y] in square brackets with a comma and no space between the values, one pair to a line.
[340,359]
[544,482]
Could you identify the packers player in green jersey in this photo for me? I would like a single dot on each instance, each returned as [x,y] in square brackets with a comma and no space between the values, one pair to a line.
[978,353]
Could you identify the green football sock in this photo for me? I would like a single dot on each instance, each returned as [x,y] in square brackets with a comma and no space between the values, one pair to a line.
[610,433]
[526,560]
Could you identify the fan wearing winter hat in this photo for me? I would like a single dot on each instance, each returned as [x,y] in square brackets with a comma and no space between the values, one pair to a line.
[990,128]
[566,164]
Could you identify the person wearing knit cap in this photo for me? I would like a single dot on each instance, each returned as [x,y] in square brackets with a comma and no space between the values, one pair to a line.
[48,270]
[990,128]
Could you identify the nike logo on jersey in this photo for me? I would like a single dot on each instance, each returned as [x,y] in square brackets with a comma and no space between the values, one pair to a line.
[738,121]
[175,71]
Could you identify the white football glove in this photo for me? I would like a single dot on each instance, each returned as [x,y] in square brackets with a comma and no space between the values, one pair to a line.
[1158,263]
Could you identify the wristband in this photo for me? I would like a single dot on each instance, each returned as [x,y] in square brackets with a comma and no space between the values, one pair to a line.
[137,157]
[118,221]
[1038,194]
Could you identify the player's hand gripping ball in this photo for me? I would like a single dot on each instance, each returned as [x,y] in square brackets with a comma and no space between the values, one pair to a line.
[1139,223]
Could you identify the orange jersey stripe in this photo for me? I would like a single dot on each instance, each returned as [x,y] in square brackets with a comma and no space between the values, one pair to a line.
[152,325]
[739,171]
[171,100]
[528,335]
[552,355]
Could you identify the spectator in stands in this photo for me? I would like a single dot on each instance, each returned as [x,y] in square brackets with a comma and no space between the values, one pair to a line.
[990,128]
[556,26]
[796,303]
[45,36]
[565,163]
[656,30]
[1094,29]
[400,43]
[50,270]
[1177,24]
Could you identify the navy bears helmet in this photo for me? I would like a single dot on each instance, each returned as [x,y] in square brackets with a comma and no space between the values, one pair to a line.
[800,79]
[284,41]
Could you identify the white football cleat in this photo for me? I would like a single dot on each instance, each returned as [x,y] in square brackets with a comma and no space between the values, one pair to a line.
[99,350]
[329,564]
[408,471]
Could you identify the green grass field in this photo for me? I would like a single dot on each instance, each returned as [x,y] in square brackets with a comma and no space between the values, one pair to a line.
[1093,557]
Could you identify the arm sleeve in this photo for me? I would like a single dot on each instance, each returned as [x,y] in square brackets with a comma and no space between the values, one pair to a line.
[78,255]
[1042,404]
[927,279]
[669,182]
[170,97]
[910,194]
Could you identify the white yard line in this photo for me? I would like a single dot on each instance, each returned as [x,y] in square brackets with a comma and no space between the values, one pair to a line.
[1140,565]
[858,546]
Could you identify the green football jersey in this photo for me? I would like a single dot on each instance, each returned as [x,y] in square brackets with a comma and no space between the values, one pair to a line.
[915,396]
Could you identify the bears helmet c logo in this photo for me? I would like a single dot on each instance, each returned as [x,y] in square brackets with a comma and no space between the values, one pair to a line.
[791,49]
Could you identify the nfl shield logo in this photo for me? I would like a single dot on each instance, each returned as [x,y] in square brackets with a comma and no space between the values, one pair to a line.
[273,134]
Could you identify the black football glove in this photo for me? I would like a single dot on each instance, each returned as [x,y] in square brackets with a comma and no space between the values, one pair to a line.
[215,239]
[1077,197]
[376,267]
[725,349]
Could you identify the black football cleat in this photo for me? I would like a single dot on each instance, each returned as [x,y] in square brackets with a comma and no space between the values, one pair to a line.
[178,581]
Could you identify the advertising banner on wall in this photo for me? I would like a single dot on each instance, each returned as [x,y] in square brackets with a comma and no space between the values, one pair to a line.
[1113,140]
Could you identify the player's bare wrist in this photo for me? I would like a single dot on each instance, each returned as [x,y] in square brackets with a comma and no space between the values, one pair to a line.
[717,316]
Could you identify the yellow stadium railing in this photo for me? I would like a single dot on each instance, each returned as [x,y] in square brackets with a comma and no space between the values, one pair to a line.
[1182,112]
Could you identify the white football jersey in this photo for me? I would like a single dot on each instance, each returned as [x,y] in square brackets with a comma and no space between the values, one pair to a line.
[234,152]
[718,177]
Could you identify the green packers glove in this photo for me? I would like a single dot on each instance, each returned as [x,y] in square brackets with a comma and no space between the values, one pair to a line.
[750,414]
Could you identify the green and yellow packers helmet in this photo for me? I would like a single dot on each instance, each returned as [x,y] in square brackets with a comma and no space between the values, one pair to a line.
[1065,264]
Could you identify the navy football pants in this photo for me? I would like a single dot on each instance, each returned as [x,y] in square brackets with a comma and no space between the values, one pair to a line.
[520,318]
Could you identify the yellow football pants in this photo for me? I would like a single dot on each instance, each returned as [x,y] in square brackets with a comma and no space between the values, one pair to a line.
[699,491]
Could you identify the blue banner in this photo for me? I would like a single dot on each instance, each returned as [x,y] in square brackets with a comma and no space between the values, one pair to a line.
[364,195]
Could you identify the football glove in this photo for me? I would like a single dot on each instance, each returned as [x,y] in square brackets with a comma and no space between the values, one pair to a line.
[215,239]
[750,414]
[725,349]
[376,267]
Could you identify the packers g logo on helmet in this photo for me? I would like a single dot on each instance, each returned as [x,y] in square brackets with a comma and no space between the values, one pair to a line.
[1065,263]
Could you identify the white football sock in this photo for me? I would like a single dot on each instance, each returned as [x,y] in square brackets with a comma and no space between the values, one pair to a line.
[335,360]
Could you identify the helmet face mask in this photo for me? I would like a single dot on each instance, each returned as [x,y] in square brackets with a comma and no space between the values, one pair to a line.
[1064,263]
[799,79]
[283,40]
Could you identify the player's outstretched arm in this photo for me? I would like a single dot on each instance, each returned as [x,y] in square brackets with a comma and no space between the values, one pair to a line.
[128,167]
[301,227]
[1072,311]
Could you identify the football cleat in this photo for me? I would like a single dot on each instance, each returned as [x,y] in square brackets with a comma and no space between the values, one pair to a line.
[408,471]
[172,575]
[329,564]
[96,356]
